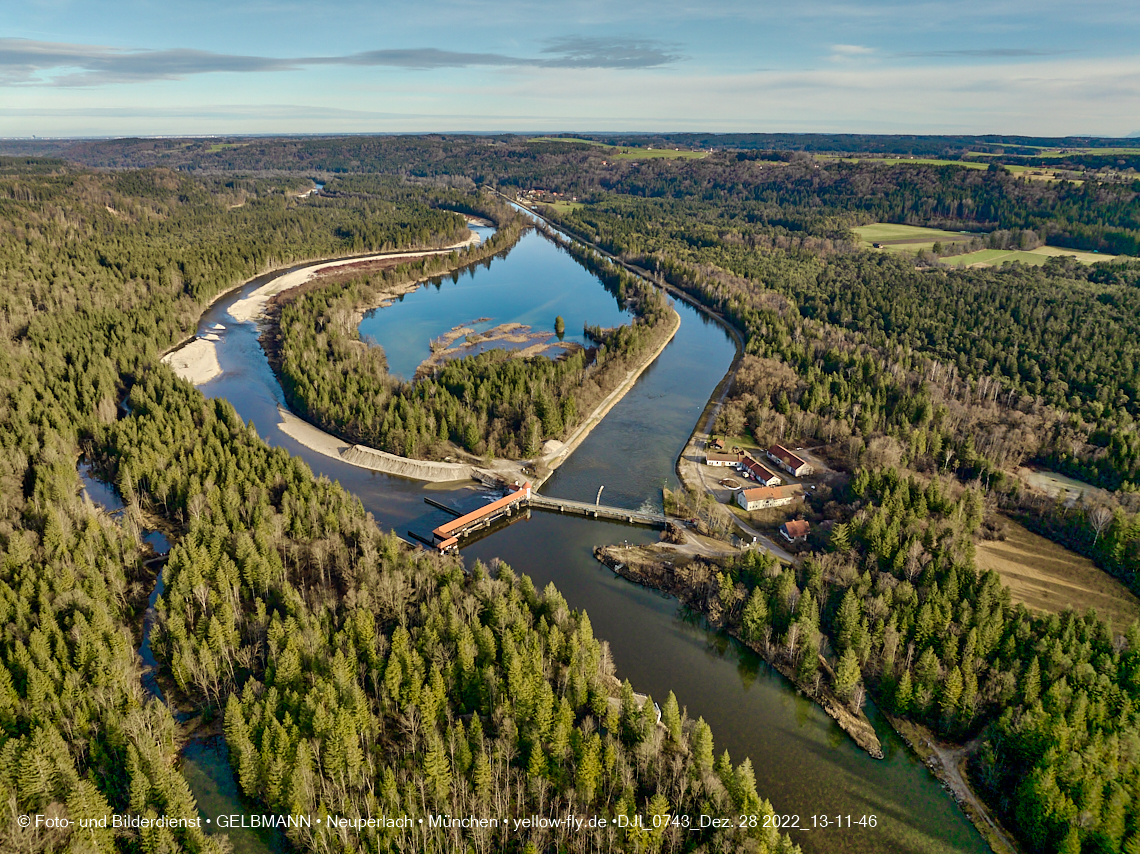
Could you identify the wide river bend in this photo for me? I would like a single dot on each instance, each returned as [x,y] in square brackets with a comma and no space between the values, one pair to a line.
[803,762]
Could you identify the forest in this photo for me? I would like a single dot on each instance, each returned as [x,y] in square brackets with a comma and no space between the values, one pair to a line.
[347,670]
[895,604]
[351,674]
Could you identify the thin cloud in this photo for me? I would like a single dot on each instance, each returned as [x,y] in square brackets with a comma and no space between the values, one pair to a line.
[984,53]
[29,62]
[577,52]
[851,49]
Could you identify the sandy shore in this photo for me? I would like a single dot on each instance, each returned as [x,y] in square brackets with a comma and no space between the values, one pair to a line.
[253,306]
[197,361]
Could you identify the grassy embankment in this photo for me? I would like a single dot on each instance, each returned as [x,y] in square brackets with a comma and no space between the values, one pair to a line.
[1047,577]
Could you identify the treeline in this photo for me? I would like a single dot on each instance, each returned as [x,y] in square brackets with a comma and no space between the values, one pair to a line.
[363,678]
[821,198]
[490,404]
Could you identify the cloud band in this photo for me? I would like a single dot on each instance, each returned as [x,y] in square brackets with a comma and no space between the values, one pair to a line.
[28,62]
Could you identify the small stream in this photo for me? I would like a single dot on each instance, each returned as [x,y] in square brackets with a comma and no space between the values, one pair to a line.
[205,760]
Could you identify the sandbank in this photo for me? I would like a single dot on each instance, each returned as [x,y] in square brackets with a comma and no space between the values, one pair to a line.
[197,362]
[252,307]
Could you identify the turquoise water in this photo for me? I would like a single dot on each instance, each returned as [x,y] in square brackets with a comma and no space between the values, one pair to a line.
[536,283]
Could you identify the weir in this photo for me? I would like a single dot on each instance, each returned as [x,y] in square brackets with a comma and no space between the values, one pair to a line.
[598,511]
[448,535]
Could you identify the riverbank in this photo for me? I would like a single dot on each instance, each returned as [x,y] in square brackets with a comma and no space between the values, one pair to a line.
[666,567]
[556,456]
[195,359]
[253,307]
[948,763]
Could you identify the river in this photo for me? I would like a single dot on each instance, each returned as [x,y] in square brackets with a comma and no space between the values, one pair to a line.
[805,765]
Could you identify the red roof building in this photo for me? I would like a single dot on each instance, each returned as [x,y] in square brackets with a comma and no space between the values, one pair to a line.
[761,497]
[761,472]
[795,531]
[789,462]
[712,459]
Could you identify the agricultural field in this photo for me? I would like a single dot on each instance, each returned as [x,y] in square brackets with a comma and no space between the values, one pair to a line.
[658,153]
[907,238]
[563,207]
[1047,577]
[1033,257]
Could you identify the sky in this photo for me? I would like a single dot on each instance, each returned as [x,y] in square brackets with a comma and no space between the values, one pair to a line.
[201,67]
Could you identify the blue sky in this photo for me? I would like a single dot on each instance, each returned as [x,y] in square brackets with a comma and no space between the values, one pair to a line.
[276,66]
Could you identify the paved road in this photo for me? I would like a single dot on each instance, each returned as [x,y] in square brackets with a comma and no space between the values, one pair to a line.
[764,541]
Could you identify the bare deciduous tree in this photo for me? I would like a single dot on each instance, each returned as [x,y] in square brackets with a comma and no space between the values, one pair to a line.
[1099,517]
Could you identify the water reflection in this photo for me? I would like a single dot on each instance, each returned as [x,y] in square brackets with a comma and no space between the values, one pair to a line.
[803,762]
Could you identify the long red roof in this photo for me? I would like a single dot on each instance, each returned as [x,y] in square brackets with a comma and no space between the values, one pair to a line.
[787,456]
[447,530]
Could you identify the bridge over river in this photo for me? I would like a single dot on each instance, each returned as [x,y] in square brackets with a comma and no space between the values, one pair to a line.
[447,536]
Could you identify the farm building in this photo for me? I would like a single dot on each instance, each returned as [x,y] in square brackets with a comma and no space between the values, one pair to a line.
[761,472]
[712,459]
[766,496]
[788,461]
[795,531]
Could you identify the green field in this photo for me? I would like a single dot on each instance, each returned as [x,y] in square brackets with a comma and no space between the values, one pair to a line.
[563,207]
[886,232]
[1034,257]
[906,238]
[996,257]
[913,238]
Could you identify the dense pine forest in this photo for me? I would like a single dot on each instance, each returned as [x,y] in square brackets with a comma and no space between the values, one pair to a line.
[353,675]
[895,601]
[350,672]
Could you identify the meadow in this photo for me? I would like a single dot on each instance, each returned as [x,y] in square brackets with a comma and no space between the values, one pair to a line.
[907,238]
[1047,577]
[1033,257]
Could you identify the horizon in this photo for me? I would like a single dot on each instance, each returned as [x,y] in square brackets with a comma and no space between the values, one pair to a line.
[994,136]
